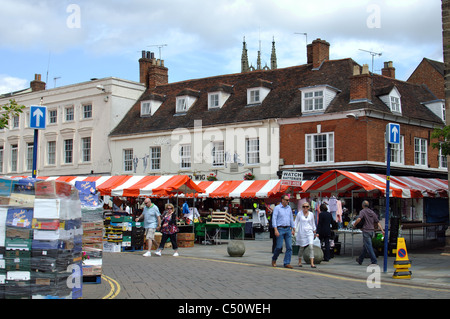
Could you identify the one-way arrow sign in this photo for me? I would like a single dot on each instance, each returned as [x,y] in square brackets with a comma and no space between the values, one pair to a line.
[393,133]
[38,117]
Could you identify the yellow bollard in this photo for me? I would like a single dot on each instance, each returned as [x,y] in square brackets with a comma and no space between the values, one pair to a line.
[402,262]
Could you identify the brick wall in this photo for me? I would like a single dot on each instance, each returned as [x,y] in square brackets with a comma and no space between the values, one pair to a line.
[354,140]
[427,74]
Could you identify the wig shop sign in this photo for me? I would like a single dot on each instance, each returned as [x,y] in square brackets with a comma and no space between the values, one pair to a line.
[291,178]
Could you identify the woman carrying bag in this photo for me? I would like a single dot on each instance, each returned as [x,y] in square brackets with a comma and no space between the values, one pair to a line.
[169,229]
[306,228]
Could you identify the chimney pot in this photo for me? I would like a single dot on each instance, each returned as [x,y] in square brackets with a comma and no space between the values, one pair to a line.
[317,52]
[388,70]
[37,84]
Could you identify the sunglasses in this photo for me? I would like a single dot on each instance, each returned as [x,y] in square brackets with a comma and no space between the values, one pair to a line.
[305,206]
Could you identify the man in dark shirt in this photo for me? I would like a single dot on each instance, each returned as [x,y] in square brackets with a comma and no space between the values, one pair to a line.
[368,229]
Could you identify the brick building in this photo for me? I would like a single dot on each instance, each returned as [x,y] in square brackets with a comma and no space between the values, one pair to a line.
[325,114]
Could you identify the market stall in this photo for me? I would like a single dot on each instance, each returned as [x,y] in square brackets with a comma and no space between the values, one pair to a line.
[411,197]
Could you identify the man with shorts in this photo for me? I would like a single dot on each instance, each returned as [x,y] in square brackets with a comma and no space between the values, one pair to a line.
[152,222]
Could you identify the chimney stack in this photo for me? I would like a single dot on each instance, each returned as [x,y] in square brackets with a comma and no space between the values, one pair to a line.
[37,84]
[388,70]
[361,84]
[152,71]
[317,52]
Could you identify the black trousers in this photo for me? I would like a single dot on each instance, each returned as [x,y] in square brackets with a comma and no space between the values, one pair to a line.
[326,242]
[173,240]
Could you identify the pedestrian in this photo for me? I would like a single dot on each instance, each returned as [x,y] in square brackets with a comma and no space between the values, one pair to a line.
[368,229]
[324,230]
[306,230]
[284,229]
[152,222]
[169,229]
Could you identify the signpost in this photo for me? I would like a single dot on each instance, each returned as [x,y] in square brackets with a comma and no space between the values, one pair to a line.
[38,120]
[392,137]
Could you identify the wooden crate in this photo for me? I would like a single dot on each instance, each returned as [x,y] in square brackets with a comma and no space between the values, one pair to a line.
[222,218]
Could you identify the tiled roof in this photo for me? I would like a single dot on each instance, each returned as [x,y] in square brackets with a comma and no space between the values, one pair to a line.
[283,101]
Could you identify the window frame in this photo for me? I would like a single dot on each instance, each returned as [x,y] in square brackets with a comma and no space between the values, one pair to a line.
[310,150]
[252,151]
[420,154]
[155,160]
[185,152]
[127,160]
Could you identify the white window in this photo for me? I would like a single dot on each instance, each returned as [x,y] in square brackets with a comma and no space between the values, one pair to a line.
[128,160]
[397,151]
[16,121]
[51,152]
[14,150]
[395,104]
[420,151]
[87,111]
[254,96]
[155,158]
[442,160]
[317,98]
[181,105]
[69,113]
[313,101]
[319,148]
[213,101]
[145,108]
[252,151]
[68,151]
[185,156]
[30,156]
[1,159]
[86,149]
[52,116]
[217,153]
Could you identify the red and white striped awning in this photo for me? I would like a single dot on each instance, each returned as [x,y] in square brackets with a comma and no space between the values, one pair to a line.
[134,186]
[243,188]
[343,182]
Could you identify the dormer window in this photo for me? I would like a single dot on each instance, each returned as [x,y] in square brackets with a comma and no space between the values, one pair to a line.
[149,107]
[185,100]
[316,99]
[391,97]
[437,107]
[218,95]
[257,95]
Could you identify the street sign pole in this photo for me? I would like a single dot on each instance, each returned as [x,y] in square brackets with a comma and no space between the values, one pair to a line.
[392,136]
[38,122]
[35,147]
[386,223]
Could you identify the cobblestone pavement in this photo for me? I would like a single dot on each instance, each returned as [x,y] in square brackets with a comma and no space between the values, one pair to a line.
[207,272]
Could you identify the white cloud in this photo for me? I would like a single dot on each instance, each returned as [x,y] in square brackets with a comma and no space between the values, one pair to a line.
[10,84]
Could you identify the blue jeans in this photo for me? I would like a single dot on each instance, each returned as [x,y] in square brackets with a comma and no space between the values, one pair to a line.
[286,235]
[367,248]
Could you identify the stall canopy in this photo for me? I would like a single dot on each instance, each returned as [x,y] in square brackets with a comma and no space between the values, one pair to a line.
[244,188]
[344,182]
[134,186]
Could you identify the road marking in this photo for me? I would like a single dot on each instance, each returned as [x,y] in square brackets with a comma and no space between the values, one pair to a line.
[115,287]
[315,273]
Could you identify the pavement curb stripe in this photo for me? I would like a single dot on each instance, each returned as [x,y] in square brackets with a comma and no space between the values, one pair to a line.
[314,273]
[115,287]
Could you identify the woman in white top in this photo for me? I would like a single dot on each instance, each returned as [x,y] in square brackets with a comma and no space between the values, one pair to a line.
[306,228]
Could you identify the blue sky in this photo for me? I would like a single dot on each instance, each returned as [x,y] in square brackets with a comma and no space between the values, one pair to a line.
[73,41]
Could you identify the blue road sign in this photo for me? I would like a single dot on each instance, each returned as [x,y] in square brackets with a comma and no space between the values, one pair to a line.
[38,117]
[393,133]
